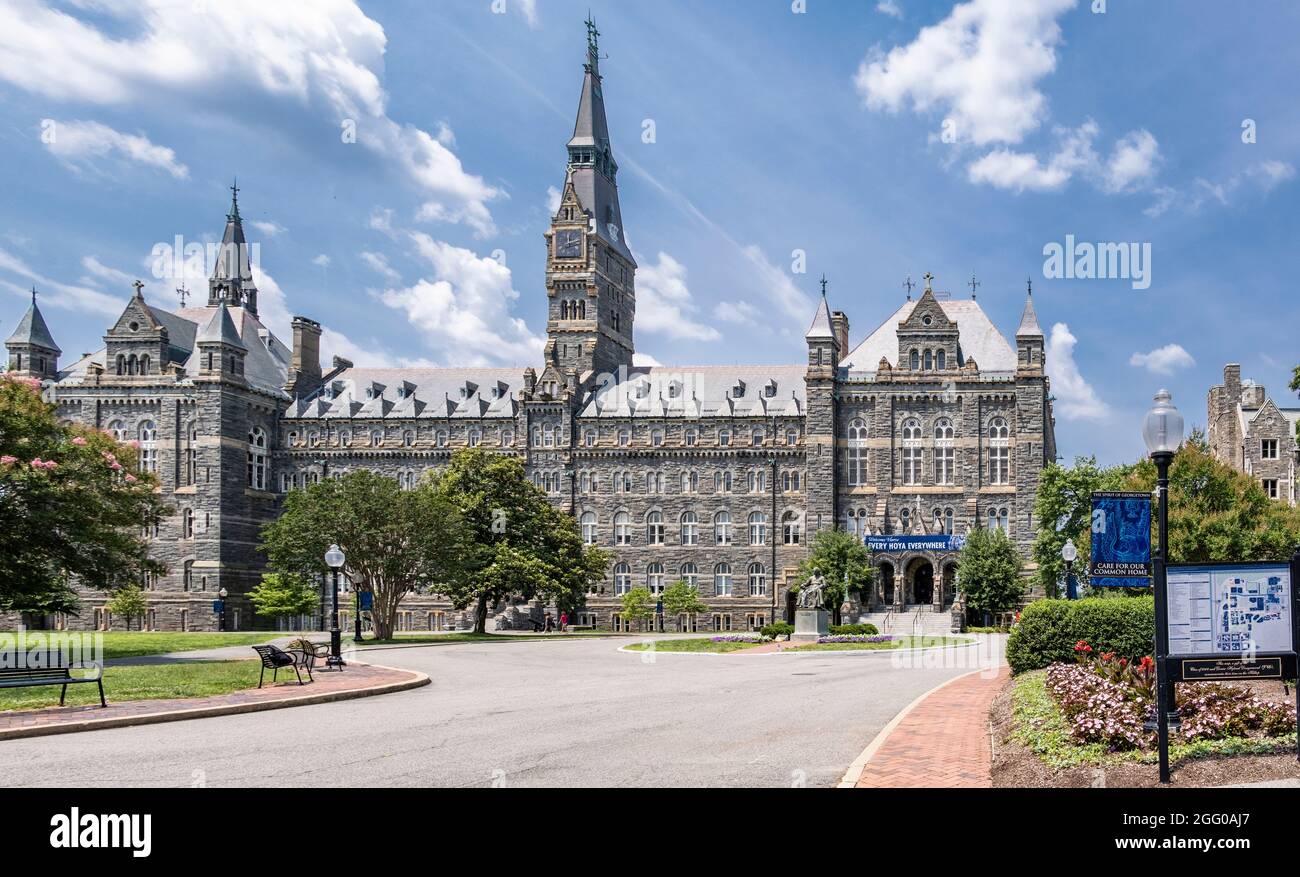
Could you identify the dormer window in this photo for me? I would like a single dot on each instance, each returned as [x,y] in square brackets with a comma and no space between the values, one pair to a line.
[674,390]
[642,390]
[738,391]
[770,389]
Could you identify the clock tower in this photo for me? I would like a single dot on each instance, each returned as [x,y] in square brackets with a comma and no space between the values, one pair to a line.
[589,267]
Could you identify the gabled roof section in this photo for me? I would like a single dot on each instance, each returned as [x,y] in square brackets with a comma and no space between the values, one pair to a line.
[1029,327]
[220,329]
[821,324]
[977,338]
[31,329]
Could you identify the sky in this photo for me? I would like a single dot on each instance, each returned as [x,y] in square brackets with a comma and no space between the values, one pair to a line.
[398,162]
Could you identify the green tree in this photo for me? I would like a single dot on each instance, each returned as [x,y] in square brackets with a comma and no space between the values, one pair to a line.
[128,601]
[283,595]
[988,571]
[396,541]
[1063,510]
[679,599]
[843,561]
[638,605]
[72,504]
[522,545]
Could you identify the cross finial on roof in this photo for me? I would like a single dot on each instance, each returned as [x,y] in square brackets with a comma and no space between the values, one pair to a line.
[139,289]
[33,294]
[1029,281]
[909,284]
[234,201]
[973,284]
[929,280]
[823,286]
[182,293]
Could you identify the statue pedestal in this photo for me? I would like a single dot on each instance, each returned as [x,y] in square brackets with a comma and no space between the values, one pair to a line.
[810,624]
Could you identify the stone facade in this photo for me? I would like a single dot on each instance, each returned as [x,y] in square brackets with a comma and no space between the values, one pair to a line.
[717,475]
[1252,433]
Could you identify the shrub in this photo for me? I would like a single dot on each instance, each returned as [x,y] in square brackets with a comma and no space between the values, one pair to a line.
[1049,630]
[777,629]
[853,630]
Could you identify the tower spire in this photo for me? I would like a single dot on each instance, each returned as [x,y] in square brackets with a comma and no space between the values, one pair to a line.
[232,277]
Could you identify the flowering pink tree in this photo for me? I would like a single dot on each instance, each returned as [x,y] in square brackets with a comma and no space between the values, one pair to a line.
[70,508]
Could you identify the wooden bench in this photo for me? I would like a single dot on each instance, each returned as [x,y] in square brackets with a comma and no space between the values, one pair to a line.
[29,677]
[274,659]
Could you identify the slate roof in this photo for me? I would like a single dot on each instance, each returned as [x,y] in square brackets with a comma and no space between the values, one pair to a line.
[405,393]
[821,324]
[693,391]
[31,329]
[978,338]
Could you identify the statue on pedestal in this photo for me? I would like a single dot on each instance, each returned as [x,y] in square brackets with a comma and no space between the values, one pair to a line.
[813,593]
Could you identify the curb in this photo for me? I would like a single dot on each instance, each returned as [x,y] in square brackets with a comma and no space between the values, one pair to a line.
[854,772]
[418,680]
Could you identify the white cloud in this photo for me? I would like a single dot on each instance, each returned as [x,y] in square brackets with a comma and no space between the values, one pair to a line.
[381,219]
[890,8]
[446,136]
[69,296]
[779,287]
[325,59]
[645,360]
[1130,166]
[553,198]
[464,309]
[268,228]
[664,302]
[980,66]
[529,10]
[1264,176]
[740,312]
[77,143]
[113,276]
[378,263]
[1075,397]
[322,261]
[1163,360]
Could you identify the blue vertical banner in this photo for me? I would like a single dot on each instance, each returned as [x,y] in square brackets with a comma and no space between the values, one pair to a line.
[1121,540]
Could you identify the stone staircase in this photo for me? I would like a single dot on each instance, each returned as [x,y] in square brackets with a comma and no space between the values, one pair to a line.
[918,620]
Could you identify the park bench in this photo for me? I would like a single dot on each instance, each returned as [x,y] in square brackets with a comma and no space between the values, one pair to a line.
[274,659]
[28,677]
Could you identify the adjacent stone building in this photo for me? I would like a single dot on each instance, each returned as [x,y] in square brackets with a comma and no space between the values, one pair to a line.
[1253,434]
[718,475]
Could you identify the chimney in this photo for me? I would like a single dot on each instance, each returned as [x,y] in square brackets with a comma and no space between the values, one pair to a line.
[840,326]
[304,369]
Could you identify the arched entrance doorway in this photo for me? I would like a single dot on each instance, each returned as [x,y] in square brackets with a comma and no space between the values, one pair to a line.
[921,588]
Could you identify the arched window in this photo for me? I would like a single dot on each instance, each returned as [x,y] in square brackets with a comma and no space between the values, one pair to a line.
[756,436]
[408,438]
[376,438]
[588,523]
[757,580]
[999,451]
[691,482]
[757,528]
[654,482]
[654,528]
[912,451]
[945,454]
[722,580]
[792,436]
[929,360]
[148,433]
[690,574]
[187,576]
[943,520]
[654,578]
[187,523]
[722,528]
[622,529]
[121,364]
[690,528]
[722,482]
[690,436]
[915,360]
[144,365]
[656,438]
[548,435]
[475,437]
[941,360]
[257,458]
[857,452]
[622,578]
[190,471]
[905,518]
[791,528]
[117,429]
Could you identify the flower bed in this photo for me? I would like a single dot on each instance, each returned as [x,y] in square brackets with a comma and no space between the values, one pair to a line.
[1106,700]
[739,638]
[857,638]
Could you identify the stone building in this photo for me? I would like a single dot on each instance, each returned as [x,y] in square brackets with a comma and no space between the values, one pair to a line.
[1253,434]
[717,475]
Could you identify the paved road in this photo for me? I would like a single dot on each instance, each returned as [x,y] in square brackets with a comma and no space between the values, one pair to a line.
[555,713]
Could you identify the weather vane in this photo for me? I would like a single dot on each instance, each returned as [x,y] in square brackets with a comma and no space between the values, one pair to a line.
[909,284]
[973,284]
[182,293]
[823,286]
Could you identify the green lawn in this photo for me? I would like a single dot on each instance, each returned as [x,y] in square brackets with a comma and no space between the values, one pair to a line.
[690,645]
[1041,728]
[151,682]
[902,642]
[132,644]
[462,637]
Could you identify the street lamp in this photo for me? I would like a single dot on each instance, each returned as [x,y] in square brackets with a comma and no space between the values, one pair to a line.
[1069,554]
[1163,433]
[334,559]
[221,609]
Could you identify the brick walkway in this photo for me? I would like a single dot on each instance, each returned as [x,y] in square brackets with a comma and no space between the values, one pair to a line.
[358,680]
[943,742]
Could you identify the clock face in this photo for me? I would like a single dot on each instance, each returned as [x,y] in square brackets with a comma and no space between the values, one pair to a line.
[568,244]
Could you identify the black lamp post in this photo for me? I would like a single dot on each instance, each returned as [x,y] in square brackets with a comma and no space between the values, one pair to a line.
[334,558]
[356,600]
[1163,433]
[221,609]
[1069,553]
[771,459]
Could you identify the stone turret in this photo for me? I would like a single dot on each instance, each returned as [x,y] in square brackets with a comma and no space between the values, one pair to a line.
[32,351]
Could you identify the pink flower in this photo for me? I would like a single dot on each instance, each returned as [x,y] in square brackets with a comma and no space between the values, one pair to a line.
[109,457]
[131,479]
[38,463]
[79,442]
[8,460]
[133,443]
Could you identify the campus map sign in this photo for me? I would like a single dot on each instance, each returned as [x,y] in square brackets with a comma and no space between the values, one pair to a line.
[1121,540]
